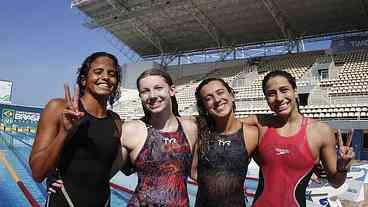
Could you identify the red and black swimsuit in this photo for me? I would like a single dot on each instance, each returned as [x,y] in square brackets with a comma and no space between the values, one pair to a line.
[286,166]
[163,166]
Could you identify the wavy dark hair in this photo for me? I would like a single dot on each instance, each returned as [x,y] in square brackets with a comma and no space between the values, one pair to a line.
[168,80]
[281,73]
[202,111]
[205,123]
[86,65]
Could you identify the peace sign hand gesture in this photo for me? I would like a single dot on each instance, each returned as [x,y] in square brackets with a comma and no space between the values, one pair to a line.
[71,114]
[345,152]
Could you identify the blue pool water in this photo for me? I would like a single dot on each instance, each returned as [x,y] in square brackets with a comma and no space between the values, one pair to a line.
[10,194]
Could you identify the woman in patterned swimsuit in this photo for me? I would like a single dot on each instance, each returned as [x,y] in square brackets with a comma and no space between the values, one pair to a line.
[159,145]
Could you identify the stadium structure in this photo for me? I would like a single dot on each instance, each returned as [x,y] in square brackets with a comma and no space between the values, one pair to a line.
[324,44]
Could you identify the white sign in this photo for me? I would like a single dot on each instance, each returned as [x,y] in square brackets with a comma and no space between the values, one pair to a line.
[5,91]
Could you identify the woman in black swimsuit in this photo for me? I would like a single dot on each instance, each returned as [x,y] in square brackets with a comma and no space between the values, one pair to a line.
[79,137]
[224,147]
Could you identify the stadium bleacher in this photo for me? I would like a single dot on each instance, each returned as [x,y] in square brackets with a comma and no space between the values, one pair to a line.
[205,28]
[350,85]
[323,44]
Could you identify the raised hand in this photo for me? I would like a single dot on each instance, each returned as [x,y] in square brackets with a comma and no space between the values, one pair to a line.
[345,152]
[71,114]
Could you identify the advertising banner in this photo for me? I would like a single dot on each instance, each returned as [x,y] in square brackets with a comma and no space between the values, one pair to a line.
[349,44]
[19,118]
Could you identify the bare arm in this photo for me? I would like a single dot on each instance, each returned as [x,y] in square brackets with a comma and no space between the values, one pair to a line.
[191,130]
[59,120]
[50,138]
[193,172]
[251,137]
[251,120]
[122,155]
[120,161]
[131,138]
[335,166]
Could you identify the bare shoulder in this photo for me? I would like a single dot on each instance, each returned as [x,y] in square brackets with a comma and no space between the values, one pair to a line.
[319,127]
[250,138]
[251,133]
[56,104]
[49,122]
[260,120]
[52,111]
[131,127]
[190,129]
[252,130]
[250,120]
[133,133]
[189,126]
[188,122]
[190,118]
[320,131]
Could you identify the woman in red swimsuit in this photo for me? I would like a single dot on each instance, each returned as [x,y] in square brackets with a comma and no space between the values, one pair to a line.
[291,145]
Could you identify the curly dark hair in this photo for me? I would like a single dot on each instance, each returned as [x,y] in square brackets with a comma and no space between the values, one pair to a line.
[86,65]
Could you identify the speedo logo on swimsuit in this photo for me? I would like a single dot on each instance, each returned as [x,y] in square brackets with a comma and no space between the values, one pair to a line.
[169,141]
[222,142]
[280,151]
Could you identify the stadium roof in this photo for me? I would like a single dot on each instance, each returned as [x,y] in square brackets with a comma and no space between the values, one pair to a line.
[155,27]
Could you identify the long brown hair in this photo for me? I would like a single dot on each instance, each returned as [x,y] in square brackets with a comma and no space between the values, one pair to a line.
[206,124]
[202,111]
[168,80]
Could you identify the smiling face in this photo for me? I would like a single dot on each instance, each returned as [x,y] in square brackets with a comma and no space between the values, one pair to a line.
[217,100]
[281,96]
[101,79]
[155,94]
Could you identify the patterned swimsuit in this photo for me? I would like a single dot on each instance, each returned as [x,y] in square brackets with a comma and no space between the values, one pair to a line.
[222,170]
[163,166]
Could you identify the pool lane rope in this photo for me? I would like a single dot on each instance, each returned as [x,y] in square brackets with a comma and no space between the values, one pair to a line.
[20,184]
